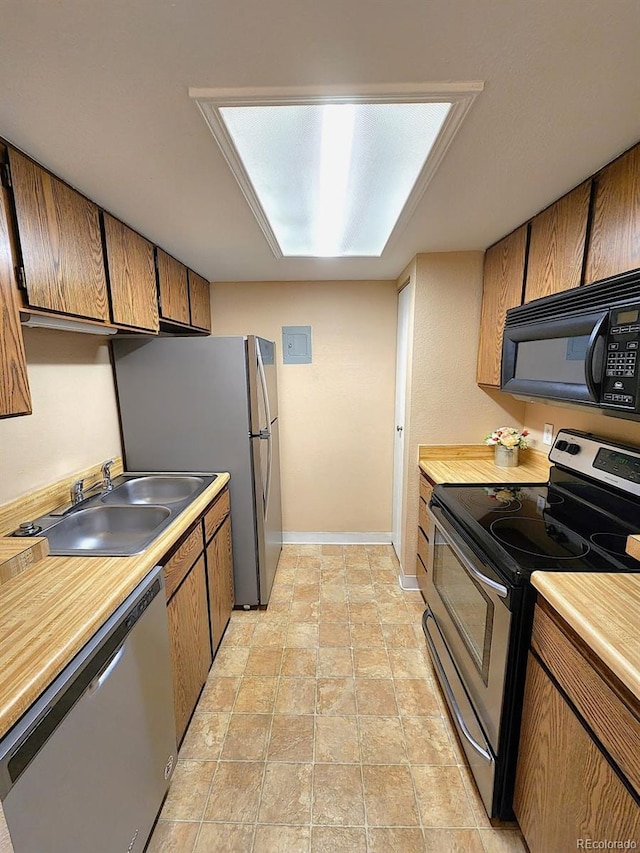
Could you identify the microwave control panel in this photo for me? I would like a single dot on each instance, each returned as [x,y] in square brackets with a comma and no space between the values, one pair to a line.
[622,365]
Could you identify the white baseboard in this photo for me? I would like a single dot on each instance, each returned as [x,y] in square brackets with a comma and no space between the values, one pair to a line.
[408,582]
[321,538]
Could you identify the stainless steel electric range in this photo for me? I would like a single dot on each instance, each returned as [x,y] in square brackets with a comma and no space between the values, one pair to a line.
[485,541]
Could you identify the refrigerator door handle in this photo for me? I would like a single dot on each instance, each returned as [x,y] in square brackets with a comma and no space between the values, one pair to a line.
[263,383]
[265,433]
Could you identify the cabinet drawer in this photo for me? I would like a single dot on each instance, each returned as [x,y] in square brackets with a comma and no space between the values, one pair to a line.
[423,548]
[421,575]
[612,722]
[423,518]
[182,559]
[216,515]
[425,489]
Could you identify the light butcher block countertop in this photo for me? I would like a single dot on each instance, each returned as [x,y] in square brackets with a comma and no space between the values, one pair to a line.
[473,463]
[50,610]
[603,610]
[16,555]
[633,547]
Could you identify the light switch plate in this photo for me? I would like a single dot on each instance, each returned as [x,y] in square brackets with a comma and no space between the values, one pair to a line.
[547,435]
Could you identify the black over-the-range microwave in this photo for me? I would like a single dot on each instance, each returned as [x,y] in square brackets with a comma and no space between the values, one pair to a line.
[579,346]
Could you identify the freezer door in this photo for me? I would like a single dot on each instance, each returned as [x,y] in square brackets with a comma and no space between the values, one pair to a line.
[263,395]
[268,353]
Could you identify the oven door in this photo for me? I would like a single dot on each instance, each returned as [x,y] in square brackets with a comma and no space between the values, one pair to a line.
[470,604]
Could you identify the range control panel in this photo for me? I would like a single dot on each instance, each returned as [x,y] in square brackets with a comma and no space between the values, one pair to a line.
[621,381]
[598,458]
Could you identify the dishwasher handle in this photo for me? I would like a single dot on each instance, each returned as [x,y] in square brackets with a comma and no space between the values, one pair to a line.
[100,679]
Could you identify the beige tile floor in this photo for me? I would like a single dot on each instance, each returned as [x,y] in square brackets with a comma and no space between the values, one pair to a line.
[321,728]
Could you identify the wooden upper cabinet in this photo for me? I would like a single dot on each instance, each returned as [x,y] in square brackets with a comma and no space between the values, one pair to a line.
[200,300]
[15,398]
[503,281]
[132,276]
[60,241]
[557,245]
[614,244]
[174,289]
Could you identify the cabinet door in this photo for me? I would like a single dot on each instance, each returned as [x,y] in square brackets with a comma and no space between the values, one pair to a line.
[132,276]
[61,243]
[174,289]
[190,643]
[15,398]
[565,787]
[503,281]
[220,576]
[199,298]
[557,245]
[614,243]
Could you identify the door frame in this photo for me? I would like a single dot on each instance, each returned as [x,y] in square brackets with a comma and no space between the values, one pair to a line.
[400,412]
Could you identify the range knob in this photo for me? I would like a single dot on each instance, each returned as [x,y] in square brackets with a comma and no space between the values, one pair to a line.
[562,444]
[573,449]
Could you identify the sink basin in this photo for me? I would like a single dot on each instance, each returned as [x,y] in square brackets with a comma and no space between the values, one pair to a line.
[107,530]
[153,490]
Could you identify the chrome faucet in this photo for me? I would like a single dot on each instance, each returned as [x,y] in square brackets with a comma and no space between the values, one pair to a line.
[107,485]
[77,492]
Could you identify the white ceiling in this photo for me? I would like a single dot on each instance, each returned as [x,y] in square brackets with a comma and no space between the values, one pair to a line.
[98,92]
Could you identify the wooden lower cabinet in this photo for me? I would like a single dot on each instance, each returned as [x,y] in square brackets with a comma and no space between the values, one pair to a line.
[189,643]
[200,598]
[422,558]
[220,579]
[566,786]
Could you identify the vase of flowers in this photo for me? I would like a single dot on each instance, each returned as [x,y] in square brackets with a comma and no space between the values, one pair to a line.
[506,442]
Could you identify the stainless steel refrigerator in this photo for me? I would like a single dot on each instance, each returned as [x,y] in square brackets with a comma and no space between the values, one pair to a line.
[211,404]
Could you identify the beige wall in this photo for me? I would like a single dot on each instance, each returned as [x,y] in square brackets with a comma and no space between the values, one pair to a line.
[537,414]
[74,424]
[445,406]
[336,431]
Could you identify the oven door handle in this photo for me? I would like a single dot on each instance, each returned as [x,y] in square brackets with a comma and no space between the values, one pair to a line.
[444,681]
[448,533]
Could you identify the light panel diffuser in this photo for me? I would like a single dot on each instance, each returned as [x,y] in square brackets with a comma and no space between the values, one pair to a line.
[332,178]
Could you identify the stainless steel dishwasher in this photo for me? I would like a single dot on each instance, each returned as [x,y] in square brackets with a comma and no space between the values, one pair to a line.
[86,768]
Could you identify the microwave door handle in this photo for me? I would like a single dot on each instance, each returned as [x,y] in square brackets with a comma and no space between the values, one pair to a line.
[594,353]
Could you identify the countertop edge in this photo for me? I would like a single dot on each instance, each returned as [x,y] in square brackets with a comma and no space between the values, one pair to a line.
[596,618]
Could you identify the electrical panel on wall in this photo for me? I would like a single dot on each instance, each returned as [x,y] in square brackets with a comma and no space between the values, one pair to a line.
[296,344]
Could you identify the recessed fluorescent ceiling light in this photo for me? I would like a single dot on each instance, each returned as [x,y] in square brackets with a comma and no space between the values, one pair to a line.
[332,178]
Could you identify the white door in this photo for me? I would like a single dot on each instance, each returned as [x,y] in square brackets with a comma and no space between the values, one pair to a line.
[402,347]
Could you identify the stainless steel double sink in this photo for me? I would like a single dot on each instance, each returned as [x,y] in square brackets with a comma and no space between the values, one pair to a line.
[124,520]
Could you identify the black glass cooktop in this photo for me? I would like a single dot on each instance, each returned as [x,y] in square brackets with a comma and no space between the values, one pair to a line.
[569,524]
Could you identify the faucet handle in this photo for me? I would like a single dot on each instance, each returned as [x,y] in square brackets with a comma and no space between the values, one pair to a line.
[106,474]
[77,491]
